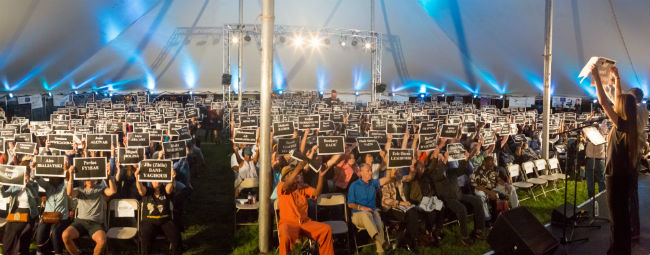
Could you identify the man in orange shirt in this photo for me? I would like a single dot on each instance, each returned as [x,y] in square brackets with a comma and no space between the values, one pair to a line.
[292,203]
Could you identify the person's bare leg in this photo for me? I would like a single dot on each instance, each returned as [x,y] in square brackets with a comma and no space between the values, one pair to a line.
[69,235]
[100,242]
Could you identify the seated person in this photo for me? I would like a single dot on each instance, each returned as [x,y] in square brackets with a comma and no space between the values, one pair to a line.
[446,187]
[157,214]
[56,203]
[490,183]
[362,200]
[91,212]
[246,167]
[396,205]
[292,202]
[22,214]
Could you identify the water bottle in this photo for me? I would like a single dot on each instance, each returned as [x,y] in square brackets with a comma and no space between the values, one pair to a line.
[596,208]
[250,198]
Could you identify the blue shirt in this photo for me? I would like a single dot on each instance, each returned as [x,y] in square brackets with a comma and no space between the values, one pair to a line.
[363,193]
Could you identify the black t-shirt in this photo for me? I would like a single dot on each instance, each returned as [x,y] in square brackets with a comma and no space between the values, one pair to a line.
[156,208]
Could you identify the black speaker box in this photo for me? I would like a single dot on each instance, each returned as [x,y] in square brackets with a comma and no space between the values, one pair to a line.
[226,79]
[517,231]
[558,217]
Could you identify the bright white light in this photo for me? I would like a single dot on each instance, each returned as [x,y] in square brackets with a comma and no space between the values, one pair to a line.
[76,92]
[49,93]
[315,42]
[110,94]
[644,101]
[11,95]
[501,97]
[367,45]
[356,93]
[235,39]
[595,101]
[343,43]
[475,96]
[191,92]
[321,93]
[422,95]
[298,41]
[443,95]
[280,92]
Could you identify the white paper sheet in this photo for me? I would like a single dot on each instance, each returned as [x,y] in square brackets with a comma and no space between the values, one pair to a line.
[124,210]
[594,135]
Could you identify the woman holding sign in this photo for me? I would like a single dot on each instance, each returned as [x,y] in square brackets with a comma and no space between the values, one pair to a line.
[621,163]
[157,213]
[22,212]
[55,216]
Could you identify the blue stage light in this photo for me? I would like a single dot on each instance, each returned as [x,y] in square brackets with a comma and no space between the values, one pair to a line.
[49,94]
[356,93]
[501,97]
[280,92]
[11,95]
[191,92]
[321,93]
[475,96]
[421,95]
[595,101]
[110,94]
[644,101]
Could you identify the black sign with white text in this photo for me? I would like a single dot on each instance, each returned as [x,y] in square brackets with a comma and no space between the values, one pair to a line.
[330,145]
[309,121]
[25,148]
[155,170]
[130,155]
[96,142]
[285,145]
[396,127]
[12,175]
[50,166]
[90,168]
[326,125]
[449,131]
[398,158]
[248,121]
[60,142]
[427,142]
[245,136]
[368,145]
[428,127]
[174,150]
[456,152]
[137,139]
[282,128]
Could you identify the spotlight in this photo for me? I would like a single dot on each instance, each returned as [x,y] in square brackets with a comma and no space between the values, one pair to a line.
[49,94]
[321,93]
[298,41]
[595,101]
[247,38]
[280,92]
[283,39]
[235,39]
[356,93]
[367,46]
[11,95]
[421,95]
[315,42]
[191,92]
[501,97]
[342,43]
[443,95]
[475,96]
[76,92]
[110,94]
[95,92]
[354,42]
[644,101]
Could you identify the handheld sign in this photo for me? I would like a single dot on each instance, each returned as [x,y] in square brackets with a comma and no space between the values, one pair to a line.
[130,155]
[155,171]
[330,145]
[137,139]
[488,137]
[368,145]
[49,166]
[398,158]
[351,135]
[12,175]
[283,128]
[427,142]
[60,142]
[248,121]
[96,142]
[468,128]
[245,136]
[395,127]
[175,150]
[90,168]
[24,137]
[456,152]
[183,134]
[449,131]
[2,145]
[378,135]
[25,148]
[428,127]
[326,125]
[309,121]
[285,145]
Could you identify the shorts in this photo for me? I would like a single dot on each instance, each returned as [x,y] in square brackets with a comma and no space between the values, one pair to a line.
[87,226]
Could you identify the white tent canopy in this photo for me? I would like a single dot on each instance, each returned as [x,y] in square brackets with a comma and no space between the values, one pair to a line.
[430,46]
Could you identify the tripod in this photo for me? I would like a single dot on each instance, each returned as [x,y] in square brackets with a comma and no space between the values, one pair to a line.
[572,222]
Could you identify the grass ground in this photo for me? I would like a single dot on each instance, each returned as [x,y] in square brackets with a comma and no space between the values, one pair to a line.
[210,214]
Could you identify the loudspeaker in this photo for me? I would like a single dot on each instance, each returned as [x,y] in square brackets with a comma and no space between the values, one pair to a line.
[559,218]
[226,79]
[517,231]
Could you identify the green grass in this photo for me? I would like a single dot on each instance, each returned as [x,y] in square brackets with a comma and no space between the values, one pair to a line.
[211,223]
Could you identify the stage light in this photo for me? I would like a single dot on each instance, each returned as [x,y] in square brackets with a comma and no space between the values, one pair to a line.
[421,95]
[501,97]
[76,92]
[315,42]
[367,46]
[235,39]
[280,92]
[321,93]
[247,38]
[644,101]
[110,94]
[354,42]
[443,95]
[298,41]
[191,93]
[595,101]
[356,93]
[11,95]
[475,96]
[49,94]
[342,43]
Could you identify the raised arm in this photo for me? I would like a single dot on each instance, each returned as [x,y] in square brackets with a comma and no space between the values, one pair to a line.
[170,186]
[112,187]
[142,190]
[69,189]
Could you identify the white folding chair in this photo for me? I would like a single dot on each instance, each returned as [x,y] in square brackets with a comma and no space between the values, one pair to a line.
[123,227]
[514,171]
[542,172]
[528,168]
[247,183]
[554,168]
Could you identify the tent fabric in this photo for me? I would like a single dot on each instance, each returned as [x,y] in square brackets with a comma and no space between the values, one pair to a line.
[430,46]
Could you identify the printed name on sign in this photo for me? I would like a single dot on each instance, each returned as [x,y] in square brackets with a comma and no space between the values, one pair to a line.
[60,142]
[427,142]
[285,145]
[326,125]
[245,136]
[428,127]
[378,135]
[93,168]
[398,158]
[137,139]
[96,142]
[449,131]
[12,175]
[282,128]
[330,145]
[248,121]
[49,166]
[155,171]
[25,148]
[368,145]
[310,121]
[130,155]
[456,152]
[25,137]
[396,127]
[174,150]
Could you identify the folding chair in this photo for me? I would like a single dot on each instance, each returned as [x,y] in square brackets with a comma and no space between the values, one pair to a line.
[554,168]
[528,168]
[335,200]
[247,183]
[160,236]
[123,227]
[514,171]
[542,172]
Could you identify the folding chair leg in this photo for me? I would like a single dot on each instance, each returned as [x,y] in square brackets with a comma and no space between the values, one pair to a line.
[532,193]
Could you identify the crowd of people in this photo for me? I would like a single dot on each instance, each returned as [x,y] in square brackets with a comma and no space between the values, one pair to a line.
[55,212]
[436,188]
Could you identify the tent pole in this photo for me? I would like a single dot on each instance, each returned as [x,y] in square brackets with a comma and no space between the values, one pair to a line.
[264,218]
[240,56]
[373,95]
[548,49]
